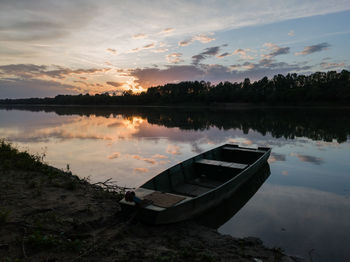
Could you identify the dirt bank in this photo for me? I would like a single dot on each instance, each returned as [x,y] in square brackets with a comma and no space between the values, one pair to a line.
[50,215]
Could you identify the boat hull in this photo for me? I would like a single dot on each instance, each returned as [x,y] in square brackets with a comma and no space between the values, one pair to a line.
[197,205]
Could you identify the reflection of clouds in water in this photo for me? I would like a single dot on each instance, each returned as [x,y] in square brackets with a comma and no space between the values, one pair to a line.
[309,159]
[114,155]
[241,141]
[147,160]
[196,148]
[159,156]
[173,150]
[276,157]
[312,219]
[141,169]
[95,128]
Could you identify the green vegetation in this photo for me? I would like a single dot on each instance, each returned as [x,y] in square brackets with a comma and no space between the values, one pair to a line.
[293,89]
[13,159]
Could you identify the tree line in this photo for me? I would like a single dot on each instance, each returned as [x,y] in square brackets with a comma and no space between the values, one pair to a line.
[320,87]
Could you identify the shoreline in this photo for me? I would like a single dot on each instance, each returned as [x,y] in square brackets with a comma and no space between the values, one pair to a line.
[50,214]
[223,106]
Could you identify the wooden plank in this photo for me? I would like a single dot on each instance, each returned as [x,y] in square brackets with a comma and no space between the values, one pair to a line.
[243,149]
[221,163]
[163,199]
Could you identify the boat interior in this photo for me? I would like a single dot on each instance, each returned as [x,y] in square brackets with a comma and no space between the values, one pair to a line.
[205,172]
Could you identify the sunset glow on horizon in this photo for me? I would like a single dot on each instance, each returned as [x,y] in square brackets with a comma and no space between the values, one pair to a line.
[73,47]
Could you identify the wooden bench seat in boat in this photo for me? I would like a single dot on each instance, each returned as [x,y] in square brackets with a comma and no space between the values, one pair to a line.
[243,149]
[211,162]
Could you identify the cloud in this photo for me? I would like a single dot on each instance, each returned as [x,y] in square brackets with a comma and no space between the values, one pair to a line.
[155,76]
[275,50]
[201,38]
[115,84]
[314,48]
[185,42]
[291,33]
[36,71]
[139,36]
[167,30]
[160,50]
[22,70]
[114,155]
[327,66]
[147,77]
[26,88]
[223,55]
[244,66]
[35,21]
[210,51]
[27,77]
[138,49]
[152,45]
[174,58]
[111,50]
[243,53]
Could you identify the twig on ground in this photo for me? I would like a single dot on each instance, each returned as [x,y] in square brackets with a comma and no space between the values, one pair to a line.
[112,186]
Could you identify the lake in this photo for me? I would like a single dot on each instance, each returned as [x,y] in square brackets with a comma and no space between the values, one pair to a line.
[302,204]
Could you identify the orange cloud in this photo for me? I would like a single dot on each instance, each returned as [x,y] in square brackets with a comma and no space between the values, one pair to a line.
[111,50]
[139,36]
[160,50]
[174,58]
[152,45]
[167,30]
[115,84]
[201,38]
[243,53]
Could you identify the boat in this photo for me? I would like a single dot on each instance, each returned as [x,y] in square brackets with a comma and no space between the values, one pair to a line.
[195,185]
[217,216]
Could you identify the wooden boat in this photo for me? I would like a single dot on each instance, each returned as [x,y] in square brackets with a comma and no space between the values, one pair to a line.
[197,184]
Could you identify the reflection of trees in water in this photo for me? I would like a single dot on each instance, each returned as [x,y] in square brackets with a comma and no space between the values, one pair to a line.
[316,124]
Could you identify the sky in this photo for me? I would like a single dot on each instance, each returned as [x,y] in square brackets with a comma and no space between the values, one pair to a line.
[85,46]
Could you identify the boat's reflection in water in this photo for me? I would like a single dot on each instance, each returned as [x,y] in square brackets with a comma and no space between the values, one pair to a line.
[219,215]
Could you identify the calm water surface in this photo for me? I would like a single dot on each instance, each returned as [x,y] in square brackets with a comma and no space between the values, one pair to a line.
[303,206]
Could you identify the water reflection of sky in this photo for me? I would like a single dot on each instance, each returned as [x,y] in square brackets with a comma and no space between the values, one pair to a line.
[303,205]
